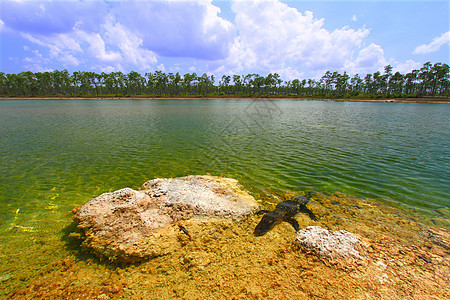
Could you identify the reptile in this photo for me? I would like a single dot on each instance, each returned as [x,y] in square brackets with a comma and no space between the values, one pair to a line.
[284,211]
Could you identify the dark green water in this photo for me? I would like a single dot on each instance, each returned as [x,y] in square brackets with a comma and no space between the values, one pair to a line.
[57,154]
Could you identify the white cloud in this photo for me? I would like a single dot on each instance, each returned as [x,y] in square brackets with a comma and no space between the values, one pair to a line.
[178,28]
[407,66]
[110,69]
[97,48]
[354,18]
[36,62]
[129,45]
[106,49]
[66,47]
[69,60]
[162,68]
[435,45]
[61,47]
[289,73]
[274,36]
[370,59]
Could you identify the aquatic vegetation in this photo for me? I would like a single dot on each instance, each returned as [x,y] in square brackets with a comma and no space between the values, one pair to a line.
[14,226]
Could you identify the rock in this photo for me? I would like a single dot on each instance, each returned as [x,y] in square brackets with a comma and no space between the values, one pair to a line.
[129,225]
[332,244]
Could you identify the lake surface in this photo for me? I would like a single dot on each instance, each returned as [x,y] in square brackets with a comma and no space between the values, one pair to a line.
[57,154]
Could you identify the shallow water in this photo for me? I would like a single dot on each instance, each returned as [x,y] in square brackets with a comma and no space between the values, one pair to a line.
[57,154]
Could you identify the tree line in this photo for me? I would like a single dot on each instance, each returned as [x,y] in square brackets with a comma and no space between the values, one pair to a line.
[430,80]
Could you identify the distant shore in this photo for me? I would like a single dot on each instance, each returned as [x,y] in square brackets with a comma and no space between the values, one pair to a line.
[390,100]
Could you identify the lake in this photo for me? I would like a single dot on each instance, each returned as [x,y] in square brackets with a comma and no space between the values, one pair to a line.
[57,154]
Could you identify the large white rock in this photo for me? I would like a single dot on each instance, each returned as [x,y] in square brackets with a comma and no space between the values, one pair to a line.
[129,225]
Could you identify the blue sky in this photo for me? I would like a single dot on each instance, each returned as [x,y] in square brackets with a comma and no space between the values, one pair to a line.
[297,39]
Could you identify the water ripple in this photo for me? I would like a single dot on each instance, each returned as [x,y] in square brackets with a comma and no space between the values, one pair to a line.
[394,153]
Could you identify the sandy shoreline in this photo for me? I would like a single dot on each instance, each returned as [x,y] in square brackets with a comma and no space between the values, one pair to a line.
[140,97]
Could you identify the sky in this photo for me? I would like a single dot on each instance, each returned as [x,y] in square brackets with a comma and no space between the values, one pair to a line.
[296,39]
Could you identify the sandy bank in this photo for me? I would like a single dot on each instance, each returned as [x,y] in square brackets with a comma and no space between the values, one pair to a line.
[380,100]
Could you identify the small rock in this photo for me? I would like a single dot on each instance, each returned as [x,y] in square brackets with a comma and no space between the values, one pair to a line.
[333,244]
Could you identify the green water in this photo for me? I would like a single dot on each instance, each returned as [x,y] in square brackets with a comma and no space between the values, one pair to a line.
[57,154]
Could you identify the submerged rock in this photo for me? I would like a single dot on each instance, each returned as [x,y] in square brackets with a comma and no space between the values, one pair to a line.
[332,244]
[129,225]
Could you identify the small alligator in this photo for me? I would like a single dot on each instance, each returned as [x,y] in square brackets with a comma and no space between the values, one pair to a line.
[284,211]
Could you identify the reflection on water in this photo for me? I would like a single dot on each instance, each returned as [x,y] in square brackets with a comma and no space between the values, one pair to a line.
[57,154]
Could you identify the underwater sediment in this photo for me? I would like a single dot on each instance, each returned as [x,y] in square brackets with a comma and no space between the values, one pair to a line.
[399,256]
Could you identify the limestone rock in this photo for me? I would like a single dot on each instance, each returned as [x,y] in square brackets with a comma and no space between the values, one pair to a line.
[129,225]
[332,244]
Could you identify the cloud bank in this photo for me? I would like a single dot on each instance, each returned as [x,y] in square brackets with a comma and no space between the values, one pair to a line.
[274,36]
[264,36]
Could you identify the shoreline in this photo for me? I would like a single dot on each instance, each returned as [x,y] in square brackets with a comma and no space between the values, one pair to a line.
[401,256]
[144,97]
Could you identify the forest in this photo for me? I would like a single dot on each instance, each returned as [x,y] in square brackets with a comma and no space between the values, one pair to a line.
[432,80]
